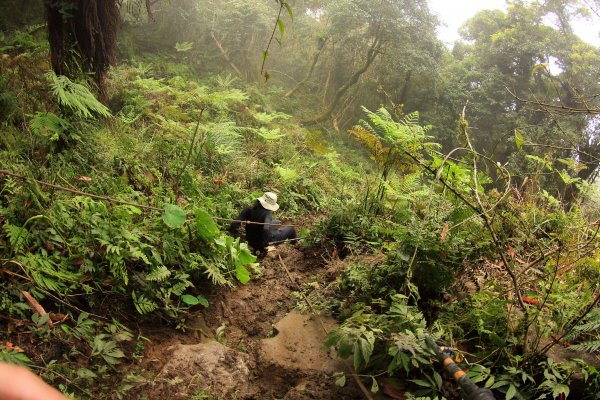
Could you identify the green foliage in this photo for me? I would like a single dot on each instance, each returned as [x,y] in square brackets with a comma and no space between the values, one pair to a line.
[76,97]
[49,125]
[174,216]
[12,356]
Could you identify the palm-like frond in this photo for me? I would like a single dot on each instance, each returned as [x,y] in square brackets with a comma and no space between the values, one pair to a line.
[76,97]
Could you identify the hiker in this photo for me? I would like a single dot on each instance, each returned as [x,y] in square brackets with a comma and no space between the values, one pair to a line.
[260,236]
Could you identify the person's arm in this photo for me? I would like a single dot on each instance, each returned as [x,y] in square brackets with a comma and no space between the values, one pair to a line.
[18,383]
[234,227]
[267,229]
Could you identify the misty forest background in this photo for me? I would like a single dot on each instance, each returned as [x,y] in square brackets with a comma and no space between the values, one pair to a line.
[468,171]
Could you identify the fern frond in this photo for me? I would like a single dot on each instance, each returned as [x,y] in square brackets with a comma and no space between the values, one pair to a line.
[76,97]
[47,274]
[223,137]
[118,268]
[179,288]
[214,272]
[49,124]
[591,346]
[143,304]
[159,274]
[18,237]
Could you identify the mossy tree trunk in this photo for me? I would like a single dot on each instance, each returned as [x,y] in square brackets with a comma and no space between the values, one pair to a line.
[83,37]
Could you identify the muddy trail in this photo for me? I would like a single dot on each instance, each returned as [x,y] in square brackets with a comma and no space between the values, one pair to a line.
[251,343]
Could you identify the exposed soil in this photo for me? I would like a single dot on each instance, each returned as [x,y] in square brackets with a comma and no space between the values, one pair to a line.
[267,350]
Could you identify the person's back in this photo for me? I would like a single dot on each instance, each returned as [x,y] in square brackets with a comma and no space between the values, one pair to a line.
[262,231]
[258,235]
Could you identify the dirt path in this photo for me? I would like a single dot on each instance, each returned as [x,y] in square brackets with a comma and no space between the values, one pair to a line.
[265,348]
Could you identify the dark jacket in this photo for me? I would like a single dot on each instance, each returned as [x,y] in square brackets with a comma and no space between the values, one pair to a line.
[258,236]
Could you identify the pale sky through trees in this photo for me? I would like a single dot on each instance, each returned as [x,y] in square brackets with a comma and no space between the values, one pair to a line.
[454,13]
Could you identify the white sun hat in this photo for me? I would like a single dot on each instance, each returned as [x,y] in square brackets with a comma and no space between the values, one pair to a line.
[269,201]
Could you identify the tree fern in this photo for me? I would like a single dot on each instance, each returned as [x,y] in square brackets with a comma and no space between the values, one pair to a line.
[49,124]
[406,133]
[223,137]
[221,101]
[76,97]
[269,134]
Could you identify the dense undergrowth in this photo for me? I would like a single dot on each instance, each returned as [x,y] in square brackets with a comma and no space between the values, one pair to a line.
[495,267]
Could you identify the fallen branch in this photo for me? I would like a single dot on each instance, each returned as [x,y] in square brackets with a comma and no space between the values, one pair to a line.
[33,304]
[224,54]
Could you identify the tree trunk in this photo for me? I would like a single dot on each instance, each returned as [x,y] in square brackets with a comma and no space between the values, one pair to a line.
[224,54]
[322,43]
[91,31]
[372,54]
[252,69]
[404,93]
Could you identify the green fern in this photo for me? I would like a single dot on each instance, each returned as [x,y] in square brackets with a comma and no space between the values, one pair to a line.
[588,332]
[143,304]
[590,346]
[267,118]
[49,124]
[76,97]
[225,81]
[214,272]
[405,134]
[48,275]
[159,274]
[222,137]
[18,237]
[222,100]
[268,134]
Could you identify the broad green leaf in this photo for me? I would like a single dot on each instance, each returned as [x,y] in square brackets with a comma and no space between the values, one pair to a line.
[281,27]
[519,140]
[174,216]
[193,300]
[358,358]
[344,349]
[366,348]
[511,392]
[332,338]
[420,382]
[207,228]
[190,300]
[560,389]
[497,339]
[202,300]
[242,274]
[245,257]
[86,373]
